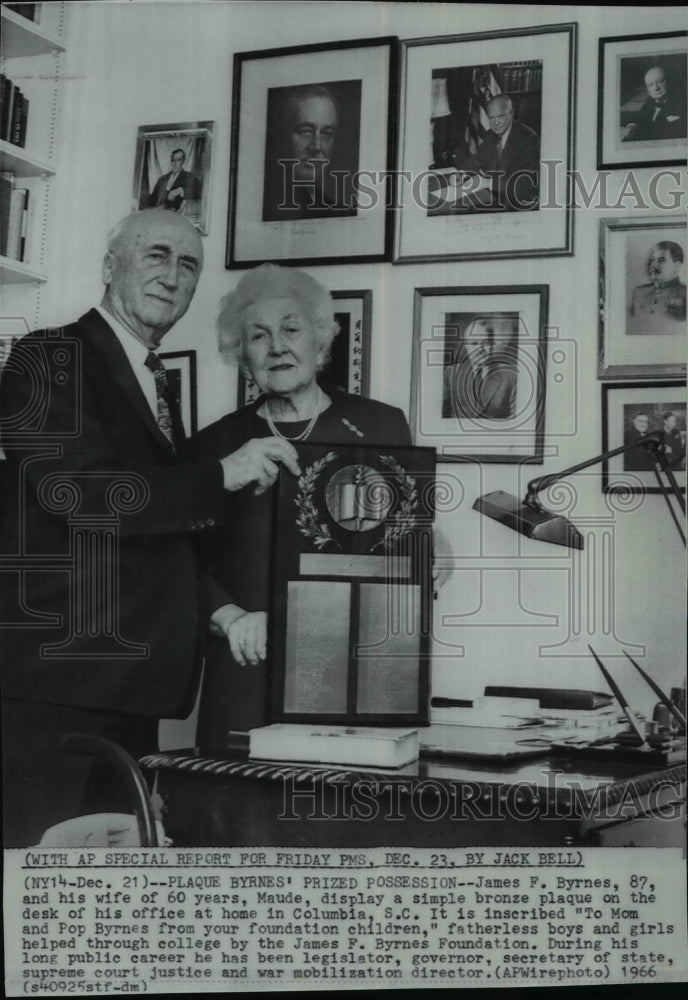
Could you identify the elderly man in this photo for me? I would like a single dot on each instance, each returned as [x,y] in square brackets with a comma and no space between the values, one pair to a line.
[483,380]
[662,115]
[104,605]
[659,306]
[510,155]
[299,180]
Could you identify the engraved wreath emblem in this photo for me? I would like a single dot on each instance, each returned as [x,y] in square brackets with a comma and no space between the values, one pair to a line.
[310,521]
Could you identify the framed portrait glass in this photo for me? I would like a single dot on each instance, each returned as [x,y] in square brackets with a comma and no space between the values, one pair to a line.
[630,411]
[181,377]
[642,330]
[172,169]
[478,372]
[314,130]
[486,144]
[641,117]
[348,368]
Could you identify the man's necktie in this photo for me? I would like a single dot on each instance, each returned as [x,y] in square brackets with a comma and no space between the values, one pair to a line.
[169,417]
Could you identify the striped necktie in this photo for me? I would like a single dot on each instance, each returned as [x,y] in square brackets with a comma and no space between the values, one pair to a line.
[169,418]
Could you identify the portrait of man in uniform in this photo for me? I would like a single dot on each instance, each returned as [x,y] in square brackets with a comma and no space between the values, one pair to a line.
[658,305]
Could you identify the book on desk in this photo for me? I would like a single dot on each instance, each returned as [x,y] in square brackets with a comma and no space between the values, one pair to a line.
[367,746]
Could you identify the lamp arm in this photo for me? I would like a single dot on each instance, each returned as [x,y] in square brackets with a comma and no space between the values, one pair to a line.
[653,442]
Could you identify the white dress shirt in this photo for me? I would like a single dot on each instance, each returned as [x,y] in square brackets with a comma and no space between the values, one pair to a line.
[136,353]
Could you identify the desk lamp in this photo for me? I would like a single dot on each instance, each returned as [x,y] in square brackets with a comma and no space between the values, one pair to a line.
[530,518]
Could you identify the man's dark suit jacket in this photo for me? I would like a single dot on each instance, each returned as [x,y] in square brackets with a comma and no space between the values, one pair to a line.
[70,405]
[668,123]
[467,393]
[516,172]
[186,180]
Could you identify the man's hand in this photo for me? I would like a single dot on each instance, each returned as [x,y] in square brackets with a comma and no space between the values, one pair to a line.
[257,462]
[246,632]
[443,559]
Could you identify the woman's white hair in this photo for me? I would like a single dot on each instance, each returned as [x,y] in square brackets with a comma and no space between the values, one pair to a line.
[272,281]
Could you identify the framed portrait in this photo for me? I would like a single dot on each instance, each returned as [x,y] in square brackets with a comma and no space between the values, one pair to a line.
[630,411]
[172,169]
[642,328]
[641,115]
[478,372]
[348,368]
[486,144]
[314,141]
[181,376]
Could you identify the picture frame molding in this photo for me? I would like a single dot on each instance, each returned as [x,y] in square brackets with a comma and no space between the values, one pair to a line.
[537,433]
[652,160]
[640,372]
[386,236]
[146,132]
[624,485]
[509,219]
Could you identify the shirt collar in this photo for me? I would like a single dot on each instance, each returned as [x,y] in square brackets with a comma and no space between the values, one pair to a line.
[133,348]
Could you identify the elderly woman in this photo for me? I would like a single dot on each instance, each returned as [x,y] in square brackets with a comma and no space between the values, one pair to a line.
[278,325]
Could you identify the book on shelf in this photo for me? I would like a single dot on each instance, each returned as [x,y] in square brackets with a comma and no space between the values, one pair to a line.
[6,185]
[18,118]
[5,119]
[367,746]
[16,229]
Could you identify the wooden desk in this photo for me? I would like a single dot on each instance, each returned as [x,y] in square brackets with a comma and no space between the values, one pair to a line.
[211,801]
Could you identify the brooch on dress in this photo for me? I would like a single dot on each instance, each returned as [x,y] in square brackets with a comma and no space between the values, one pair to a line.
[353,427]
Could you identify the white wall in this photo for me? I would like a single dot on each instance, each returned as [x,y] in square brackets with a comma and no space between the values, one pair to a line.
[510,613]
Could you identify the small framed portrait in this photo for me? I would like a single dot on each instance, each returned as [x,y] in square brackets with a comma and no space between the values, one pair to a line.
[629,412]
[642,329]
[181,377]
[313,145]
[172,169]
[486,145]
[478,372]
[348,367]
[641,117]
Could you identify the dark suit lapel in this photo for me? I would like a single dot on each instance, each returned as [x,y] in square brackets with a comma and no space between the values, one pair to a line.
[106,343]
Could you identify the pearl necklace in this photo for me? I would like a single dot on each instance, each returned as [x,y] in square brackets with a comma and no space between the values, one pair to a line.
[305,432]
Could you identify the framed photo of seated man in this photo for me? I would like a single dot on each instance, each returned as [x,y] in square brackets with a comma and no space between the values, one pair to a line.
[352,587]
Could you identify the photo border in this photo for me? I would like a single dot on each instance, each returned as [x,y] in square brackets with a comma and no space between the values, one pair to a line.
[632,483]
[607,328]
[489,229]
[372,227]
[605,159]
[530,442]
[206,128]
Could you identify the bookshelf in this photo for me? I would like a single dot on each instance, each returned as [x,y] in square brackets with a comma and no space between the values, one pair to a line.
[31,56]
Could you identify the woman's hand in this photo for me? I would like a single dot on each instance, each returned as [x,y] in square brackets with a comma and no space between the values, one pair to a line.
[246,632]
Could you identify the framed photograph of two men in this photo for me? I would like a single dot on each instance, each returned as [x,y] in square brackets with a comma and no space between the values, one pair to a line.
[314,145]
[486,145]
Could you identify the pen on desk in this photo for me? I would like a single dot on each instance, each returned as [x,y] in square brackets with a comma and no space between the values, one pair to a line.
[621,700]
[658,691]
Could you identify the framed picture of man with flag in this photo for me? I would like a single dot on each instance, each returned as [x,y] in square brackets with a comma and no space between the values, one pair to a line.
[490,179]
